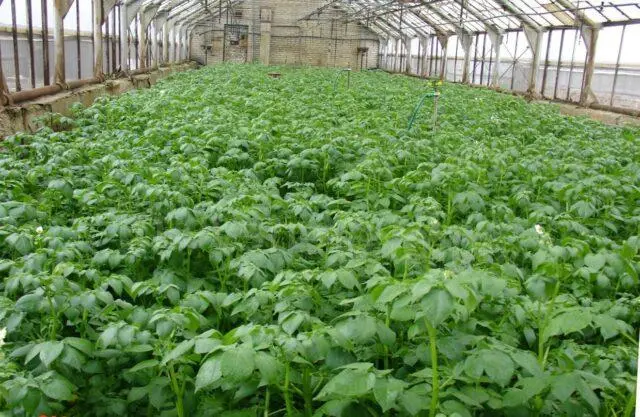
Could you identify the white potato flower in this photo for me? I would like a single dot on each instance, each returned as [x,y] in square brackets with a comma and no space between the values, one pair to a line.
[539,229]
[3,334]
[39,230]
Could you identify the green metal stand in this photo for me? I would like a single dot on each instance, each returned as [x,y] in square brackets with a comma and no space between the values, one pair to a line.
[335,82]
[436,96]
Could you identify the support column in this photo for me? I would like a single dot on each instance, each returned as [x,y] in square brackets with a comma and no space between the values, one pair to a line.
[97,40]
[425,50]
[124,37]
[265,42]
[385,51]
[407,43]
[496,41]
[534,39]
[145,21]
[4,90]
[60,10]
[590,37]
[466,40]
[160,25]
[398,55]
[177,29]
[166,44]
[185,43]
[444,42]
[154,47]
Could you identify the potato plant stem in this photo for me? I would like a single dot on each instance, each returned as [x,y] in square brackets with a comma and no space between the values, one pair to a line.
[435,377]
[177,391]
[287,394]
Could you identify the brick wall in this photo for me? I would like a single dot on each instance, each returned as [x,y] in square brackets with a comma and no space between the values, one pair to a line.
[298,37]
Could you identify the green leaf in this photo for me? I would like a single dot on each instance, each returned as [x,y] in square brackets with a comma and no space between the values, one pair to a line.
[595,262]
[238,363]
[30,303]
[527,361]
[268,367]
[177,352]
[206,345]
[348,383]
[387,391]
[588,395]
[58,388]
[497,365]
[563,386]
[292,322]
[109,336]
[210,372]
[83,345]
[414,400]
[437,306]
[149,363]
[567,322]
[530,388]
[49,352]
[20,242]
[347,279]
[62,186]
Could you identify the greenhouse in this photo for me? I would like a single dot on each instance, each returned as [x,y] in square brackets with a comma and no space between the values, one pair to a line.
[308,208]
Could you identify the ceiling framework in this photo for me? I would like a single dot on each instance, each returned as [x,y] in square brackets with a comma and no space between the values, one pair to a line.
[415,18]
[421,18]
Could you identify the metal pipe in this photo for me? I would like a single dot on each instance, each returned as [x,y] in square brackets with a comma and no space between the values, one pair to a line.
[107,36]
[114,40]
[515,60]
[573,61]
[546,64]
[78,44]
[31,46]
[16,53]
[484,47]
[45,42]
[475,61]
[559,66]
[455,61]
[489,73]
[615,76]
[25,95]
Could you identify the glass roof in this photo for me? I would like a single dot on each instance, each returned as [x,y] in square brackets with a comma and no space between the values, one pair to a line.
[414,18]
[419,17]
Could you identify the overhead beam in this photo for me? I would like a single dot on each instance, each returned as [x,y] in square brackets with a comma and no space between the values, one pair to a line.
[489,26]
[518,14]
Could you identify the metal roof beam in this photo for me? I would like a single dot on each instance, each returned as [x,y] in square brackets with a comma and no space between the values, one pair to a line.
[429,6]
[490,26]
[579,14]
[518,14]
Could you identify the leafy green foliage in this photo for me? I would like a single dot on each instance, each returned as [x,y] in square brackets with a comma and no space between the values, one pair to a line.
[228,244]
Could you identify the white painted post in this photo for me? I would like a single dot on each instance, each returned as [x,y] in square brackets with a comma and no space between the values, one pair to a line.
[496,41]
[407,43]
[466,40]
[444,42]
[97,40]
[534,39]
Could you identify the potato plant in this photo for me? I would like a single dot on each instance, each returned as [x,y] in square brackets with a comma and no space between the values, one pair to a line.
[228,244]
